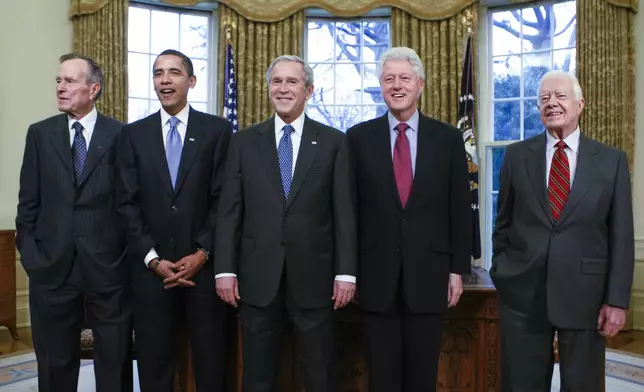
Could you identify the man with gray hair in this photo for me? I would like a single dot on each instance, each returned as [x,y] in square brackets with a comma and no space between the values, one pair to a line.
[563,247]
[286,236]
[414,226]
[69,241]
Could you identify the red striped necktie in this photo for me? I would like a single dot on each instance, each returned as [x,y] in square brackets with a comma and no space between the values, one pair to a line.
[559,180]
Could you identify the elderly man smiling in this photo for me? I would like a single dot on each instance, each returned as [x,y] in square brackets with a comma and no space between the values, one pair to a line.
[563,247]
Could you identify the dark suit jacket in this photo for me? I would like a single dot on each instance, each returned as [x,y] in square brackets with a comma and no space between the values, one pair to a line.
[59,221]
[588,255]
[427,239]
[175,222]
[312,233]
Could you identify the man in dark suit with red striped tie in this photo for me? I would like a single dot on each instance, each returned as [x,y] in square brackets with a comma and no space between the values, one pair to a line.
[414,228]
[563,247]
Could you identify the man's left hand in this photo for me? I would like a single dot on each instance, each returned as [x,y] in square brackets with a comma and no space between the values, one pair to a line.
[343,293]
[454,290]
[610,320]
[190,265]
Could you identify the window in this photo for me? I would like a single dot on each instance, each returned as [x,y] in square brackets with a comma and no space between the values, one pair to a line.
[152,30]
[523,44]
[344,56]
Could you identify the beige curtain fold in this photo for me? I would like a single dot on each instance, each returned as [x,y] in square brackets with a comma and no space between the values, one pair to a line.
[440,45]
[606,72]
[255,45]
[102,35]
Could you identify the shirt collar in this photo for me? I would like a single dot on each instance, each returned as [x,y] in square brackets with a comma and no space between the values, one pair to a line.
[297,124]
[572,141]
[88,122]
[182,115]
[412,122]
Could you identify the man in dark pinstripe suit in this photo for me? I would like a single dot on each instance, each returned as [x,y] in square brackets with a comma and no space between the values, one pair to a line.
[67,235]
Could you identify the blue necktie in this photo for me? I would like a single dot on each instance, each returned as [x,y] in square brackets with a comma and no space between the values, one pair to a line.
[173,150]
[79,150]
[285,156]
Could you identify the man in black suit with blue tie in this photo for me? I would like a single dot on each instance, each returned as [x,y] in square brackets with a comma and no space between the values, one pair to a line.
[68,239]
[169,178]
[286,232]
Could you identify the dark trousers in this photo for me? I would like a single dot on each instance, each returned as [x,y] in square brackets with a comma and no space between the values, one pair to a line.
[159,315]
[528,355]
[261,342]
[56,318]
[403,348]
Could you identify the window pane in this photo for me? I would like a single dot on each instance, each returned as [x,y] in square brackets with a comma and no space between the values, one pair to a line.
[497,162]
[565,60]
[155,105]
[371,86]
[194,36]
[507,74]
[139,75]
[507,116]
[495,209]
[319,41]
[376,40]
[136,109]
[323,76]
[346,117]
[138,30]
[534,67]
[532,124]
[165,31]
[348,40]
[348,84]
[506,31]
[323,114]
[200,91]
[536,28]
[565,15]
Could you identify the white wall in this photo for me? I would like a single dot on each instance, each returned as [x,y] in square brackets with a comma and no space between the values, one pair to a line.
[33,34]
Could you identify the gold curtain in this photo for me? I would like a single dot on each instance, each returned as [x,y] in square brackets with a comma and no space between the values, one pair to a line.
[255,45]
[440,45]
[606,71]
[102,35]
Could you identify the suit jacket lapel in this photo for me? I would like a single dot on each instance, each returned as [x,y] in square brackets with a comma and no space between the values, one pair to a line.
[536,168]
[192,142]
[426,151]
[157,150]
[268,156]
[98,145]
[305,157]
[60,140]
[586,167]
[383,157]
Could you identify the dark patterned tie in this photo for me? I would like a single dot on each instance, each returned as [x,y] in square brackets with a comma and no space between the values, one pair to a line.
[79,150]
[285,157]
[559,180]
[402,164]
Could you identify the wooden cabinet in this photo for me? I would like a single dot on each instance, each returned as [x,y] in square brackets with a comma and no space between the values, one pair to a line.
[8,281]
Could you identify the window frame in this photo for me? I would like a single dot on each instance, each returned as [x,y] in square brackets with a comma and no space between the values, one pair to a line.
[211,12]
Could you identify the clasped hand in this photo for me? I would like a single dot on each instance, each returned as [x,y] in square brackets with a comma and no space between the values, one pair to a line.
[181,272]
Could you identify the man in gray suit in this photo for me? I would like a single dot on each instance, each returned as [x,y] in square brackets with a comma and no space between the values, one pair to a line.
[563,247]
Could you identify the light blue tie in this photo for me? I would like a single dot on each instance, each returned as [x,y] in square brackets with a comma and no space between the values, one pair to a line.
[173,150]
[285,156]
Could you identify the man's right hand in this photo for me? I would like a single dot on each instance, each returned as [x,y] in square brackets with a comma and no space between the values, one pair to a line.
[227,289]
[166,269]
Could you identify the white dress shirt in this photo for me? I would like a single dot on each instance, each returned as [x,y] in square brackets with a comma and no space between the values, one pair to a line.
[296,140]
[571,150]
[165,128]
[88,122]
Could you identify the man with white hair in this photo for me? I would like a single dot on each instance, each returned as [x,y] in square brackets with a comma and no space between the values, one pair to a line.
[414,229]
[563,247]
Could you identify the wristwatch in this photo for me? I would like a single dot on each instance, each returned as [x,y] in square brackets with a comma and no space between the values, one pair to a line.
[205,252]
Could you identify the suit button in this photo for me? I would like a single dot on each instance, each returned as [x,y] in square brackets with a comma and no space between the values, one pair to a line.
[283,243]
[398,250]
[174,208]
[171,239]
